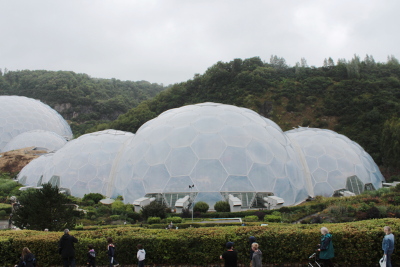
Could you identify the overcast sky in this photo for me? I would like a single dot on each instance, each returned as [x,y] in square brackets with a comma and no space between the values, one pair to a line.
[168,41]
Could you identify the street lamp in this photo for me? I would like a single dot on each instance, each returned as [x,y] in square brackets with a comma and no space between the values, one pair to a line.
[192,204]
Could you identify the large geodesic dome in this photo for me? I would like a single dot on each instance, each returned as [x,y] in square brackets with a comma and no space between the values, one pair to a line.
[82,166]
[220,149]
[20,114]
[43,140]
[334,162]
[32,173]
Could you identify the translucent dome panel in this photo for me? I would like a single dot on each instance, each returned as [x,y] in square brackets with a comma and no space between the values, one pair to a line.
[20,114]
[332,158]
[215,147]
[84,164]
[43,140]
[31,174]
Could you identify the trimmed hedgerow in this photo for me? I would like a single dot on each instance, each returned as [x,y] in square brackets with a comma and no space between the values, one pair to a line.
[355,243]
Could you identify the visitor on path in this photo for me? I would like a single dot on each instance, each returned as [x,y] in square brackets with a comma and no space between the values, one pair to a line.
[230,256]
[388,245]
[27,259]
[111,253]
[252,240]
[141,255]
[257,256]
[66,249]
[91,257]
[326,248]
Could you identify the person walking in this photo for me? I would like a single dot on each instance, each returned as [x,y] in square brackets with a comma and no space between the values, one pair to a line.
[111,253]
[27,259]
[67,249]
[230,256]
[326,248]
[388,245]
[91,257]
[256,261]
[252,240]
[141,255]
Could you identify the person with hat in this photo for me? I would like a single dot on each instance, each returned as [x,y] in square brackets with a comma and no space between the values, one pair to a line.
[230,256]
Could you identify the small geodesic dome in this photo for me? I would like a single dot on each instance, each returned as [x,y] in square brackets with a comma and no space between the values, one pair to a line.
[19,114]
[220,149]
[83,165]
[334,162]
[31,174]
[43,140]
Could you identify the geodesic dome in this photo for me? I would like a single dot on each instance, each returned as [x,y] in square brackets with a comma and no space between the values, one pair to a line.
[220,149]
[41,139]
[334,162]
[19,114]
[83,165]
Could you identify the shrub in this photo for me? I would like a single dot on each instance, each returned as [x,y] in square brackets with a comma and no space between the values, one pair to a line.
[152,220]
[115,217]
[201,206]
[95,197]
[260,215]
[272,218]
[154,209]
[251,218]
[175,219]
[222,206]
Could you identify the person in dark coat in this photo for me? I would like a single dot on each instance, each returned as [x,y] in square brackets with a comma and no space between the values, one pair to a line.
[230,256]
[27,259]
[111,253]
[326,247]
[67,249]
[91,257]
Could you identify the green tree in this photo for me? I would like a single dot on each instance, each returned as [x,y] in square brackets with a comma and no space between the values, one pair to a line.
[44,208]
[390,144]
[222,206]
[201,206]
[95,197]
[154,209]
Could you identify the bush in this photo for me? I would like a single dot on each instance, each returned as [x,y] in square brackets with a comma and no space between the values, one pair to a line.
[201,206]
[260,215]
[154,209]
[95,197]
[115,217]
[272,218]
[152,220]
[222,206]
[175,219]
[251,218]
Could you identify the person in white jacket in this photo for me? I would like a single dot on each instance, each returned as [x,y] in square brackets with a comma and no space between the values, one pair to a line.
[141,255]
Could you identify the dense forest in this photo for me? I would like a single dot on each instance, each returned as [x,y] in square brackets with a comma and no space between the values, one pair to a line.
[359,98]
[77,97]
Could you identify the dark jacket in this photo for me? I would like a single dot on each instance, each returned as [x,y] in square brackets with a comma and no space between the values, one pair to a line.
[29,260]
[111,250]
[91,256]
[327,251]
[66,246]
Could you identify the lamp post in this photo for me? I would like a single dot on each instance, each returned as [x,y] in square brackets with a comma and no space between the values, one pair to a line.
[192,204]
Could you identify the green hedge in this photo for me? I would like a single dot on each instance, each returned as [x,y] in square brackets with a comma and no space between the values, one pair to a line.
[357,243]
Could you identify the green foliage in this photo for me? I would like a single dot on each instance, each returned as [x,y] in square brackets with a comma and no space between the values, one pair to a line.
[174,219]
[222,206]
[44,208]
[272,218]
[118,207]
[95,197]
[7,186]
[154,209]
[356,244]
[5,207]
[115,217]
[152,220]
[251,218]
[201,206]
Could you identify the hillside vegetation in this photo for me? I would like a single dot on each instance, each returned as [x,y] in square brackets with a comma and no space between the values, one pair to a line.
[78,97]
[355,98]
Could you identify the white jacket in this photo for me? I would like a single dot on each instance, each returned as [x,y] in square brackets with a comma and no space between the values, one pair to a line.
[141,254]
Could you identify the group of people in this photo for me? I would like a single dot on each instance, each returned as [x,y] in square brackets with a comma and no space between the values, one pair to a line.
[325,249]
[67,251]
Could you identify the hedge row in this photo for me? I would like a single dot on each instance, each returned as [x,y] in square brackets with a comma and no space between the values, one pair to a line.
[356,243]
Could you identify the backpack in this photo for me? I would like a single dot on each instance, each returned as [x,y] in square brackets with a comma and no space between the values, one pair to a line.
[33,260]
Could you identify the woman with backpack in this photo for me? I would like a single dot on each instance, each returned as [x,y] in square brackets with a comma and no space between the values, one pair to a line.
[27,259]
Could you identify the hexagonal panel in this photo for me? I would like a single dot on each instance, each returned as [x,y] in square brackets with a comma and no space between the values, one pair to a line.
[208,146]
[181,161]
[236,161]
[208,124]
[262,177]
[181,136]
[235,136]
[156,178]
[157,153]
[179,184]
[320,175]
[328,163]
[237,184]
[323,189]
[208,175]
[260,152]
